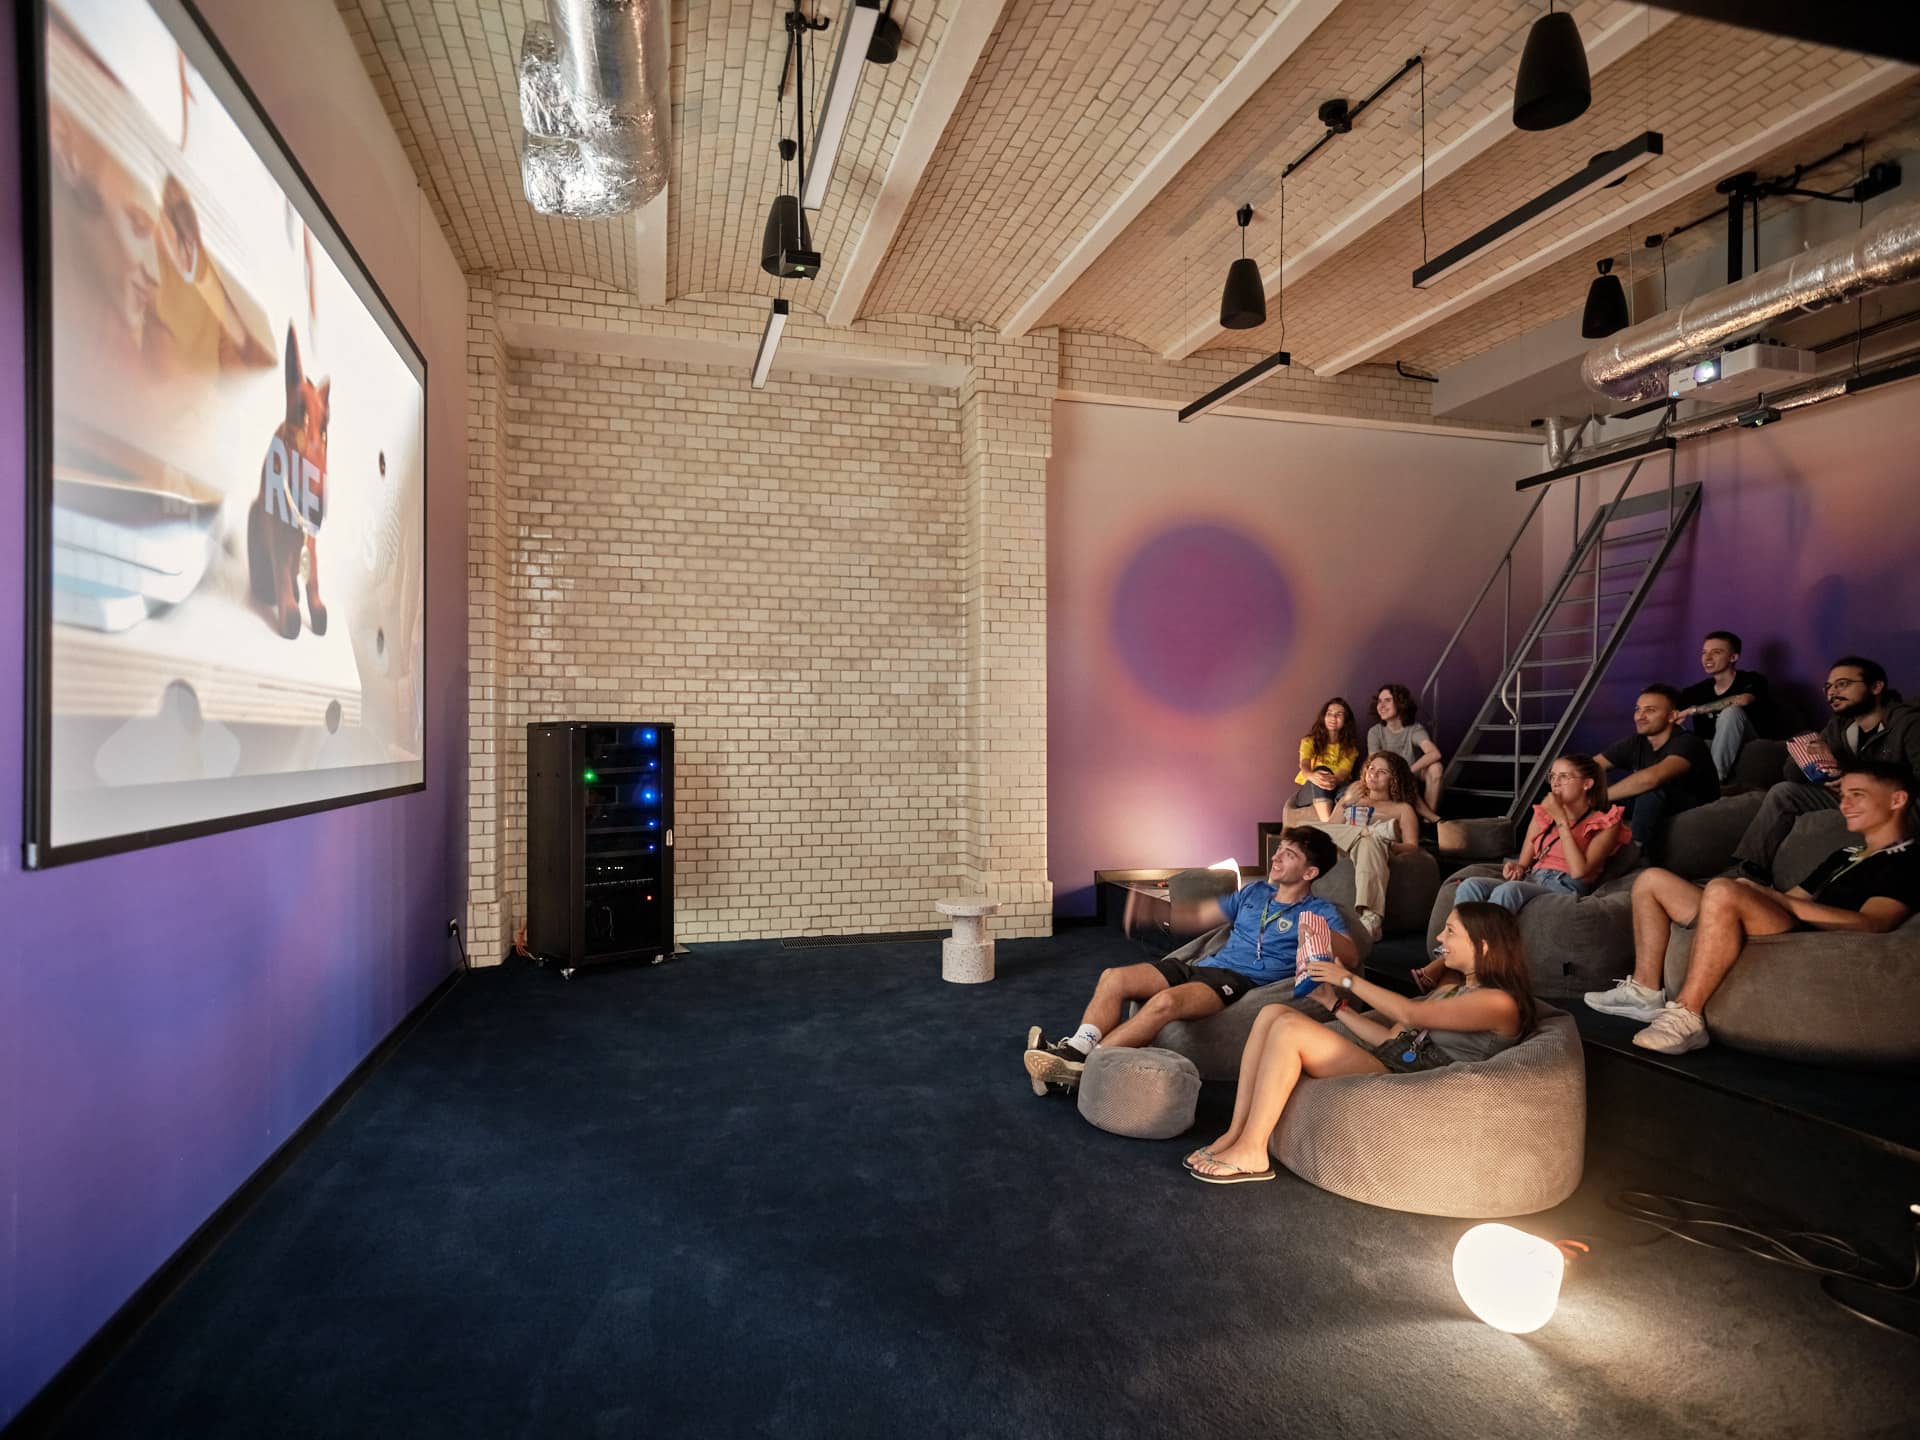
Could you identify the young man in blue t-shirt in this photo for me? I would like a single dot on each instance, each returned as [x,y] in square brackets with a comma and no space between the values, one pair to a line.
[1266,918]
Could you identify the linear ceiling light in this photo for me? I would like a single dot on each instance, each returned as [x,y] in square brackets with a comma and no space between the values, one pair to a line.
[769,342]
[1600,172]
[1247,378]
[843,82]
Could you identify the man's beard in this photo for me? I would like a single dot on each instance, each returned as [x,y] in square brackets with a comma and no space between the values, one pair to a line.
[1858,708]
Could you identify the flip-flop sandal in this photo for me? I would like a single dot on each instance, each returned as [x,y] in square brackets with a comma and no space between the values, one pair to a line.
[1235,1175]
[1205,1152]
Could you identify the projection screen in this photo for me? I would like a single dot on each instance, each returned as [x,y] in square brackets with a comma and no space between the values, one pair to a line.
[227,460]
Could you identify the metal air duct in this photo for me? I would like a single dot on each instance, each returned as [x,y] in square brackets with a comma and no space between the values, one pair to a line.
[1633,365]
[595,97]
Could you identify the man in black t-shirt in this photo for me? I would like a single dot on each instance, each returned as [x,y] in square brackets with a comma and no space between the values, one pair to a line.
[1870,887]
[1727,708]
[1668,770]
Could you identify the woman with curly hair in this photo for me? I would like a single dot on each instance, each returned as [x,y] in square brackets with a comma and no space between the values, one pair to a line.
[1328,753]
[1377,820]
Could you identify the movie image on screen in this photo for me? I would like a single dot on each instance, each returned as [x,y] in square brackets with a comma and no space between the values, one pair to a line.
[230,510]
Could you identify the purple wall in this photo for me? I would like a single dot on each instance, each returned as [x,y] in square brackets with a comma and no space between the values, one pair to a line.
[168,1017]
[1805,546]
[1204,597]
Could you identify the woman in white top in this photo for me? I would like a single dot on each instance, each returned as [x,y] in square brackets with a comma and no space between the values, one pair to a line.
[1375,820]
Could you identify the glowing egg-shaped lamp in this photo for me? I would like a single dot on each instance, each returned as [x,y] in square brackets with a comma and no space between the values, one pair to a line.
[1510,1279]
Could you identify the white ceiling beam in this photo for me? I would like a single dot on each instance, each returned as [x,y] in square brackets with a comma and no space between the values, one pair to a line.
[809,355]
[1709,169]
[1611,44]
[1287,33]
[946,81]
[649,251]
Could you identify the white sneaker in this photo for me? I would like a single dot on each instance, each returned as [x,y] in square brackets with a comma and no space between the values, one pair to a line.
[1674,1031]
[1628,997]
[1371,922]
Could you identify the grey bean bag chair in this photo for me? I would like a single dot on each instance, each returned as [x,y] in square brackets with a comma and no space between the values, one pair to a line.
[1144,1094]
[1700,841]
[1574,943]
[1505,1136]
[1214,1044]
[1821,997]
[1412,881]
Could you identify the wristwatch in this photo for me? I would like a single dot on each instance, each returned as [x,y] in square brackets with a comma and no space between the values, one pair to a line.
[1346,982]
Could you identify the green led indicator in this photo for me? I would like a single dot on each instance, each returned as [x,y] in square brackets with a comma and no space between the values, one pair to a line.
[590,777]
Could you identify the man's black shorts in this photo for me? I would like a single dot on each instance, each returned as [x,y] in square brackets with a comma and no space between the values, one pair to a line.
[1229,985]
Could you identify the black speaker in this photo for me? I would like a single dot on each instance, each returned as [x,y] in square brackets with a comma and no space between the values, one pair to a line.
[599,842]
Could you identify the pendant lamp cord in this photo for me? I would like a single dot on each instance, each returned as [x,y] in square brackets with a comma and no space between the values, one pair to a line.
[1280,274]
[1424,257]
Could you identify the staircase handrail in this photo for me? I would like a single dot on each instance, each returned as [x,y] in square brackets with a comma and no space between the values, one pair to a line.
[1504,563]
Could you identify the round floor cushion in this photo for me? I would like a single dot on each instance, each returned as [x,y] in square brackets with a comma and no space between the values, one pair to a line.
[1142,1094]
[1479,1139]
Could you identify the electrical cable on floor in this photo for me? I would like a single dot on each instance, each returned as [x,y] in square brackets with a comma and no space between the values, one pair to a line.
[1811,1252]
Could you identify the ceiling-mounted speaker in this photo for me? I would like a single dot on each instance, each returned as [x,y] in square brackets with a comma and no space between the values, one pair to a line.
[784,249]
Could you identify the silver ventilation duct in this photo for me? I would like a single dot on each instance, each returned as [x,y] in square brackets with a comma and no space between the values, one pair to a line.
[595,97]
[1563,438]
[1633,365]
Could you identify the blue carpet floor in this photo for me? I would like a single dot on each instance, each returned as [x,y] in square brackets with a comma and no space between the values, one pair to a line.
[805,1193]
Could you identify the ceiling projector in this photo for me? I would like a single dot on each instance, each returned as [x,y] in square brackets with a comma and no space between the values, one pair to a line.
[1733,374]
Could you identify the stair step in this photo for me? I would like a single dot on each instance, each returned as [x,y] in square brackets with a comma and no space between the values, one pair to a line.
[1640,564]
[1571,630]
[1566,660]
[1524,725]
[1544,694]
[1481,757]
[1472,790]
[1588,599]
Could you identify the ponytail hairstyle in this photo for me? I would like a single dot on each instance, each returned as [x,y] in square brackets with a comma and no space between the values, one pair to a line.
[1501,962]
[1590,769]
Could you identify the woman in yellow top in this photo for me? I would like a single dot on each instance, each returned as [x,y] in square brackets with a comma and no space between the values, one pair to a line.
[1328,753]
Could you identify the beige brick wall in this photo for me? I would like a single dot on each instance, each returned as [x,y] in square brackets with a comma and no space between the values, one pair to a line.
[776,572]
[836,587]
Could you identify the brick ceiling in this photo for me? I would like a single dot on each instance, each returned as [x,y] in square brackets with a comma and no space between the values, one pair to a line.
[1068,107]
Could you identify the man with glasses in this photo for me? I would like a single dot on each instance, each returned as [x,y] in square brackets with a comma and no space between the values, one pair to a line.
[1870,722]
[1266,918]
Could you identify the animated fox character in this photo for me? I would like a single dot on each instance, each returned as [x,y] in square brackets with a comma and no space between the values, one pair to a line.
[292,503]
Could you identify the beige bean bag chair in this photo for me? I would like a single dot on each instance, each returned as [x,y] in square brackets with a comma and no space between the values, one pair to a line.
[1505,1136]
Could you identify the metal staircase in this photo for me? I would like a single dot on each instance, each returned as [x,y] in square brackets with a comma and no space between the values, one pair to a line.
[1546,679]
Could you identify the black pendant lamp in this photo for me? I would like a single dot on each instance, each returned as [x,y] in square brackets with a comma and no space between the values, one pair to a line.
[1606,309]
[1553,86]
[1243,303]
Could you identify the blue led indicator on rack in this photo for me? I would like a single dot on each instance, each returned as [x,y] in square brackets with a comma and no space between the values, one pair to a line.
[647,737]
[653,824]
[649,794]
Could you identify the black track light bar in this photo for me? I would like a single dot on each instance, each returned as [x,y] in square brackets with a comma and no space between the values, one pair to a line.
[1597,462]
[1252,375]
[1874,379]
[1601,171]
[1345,117]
